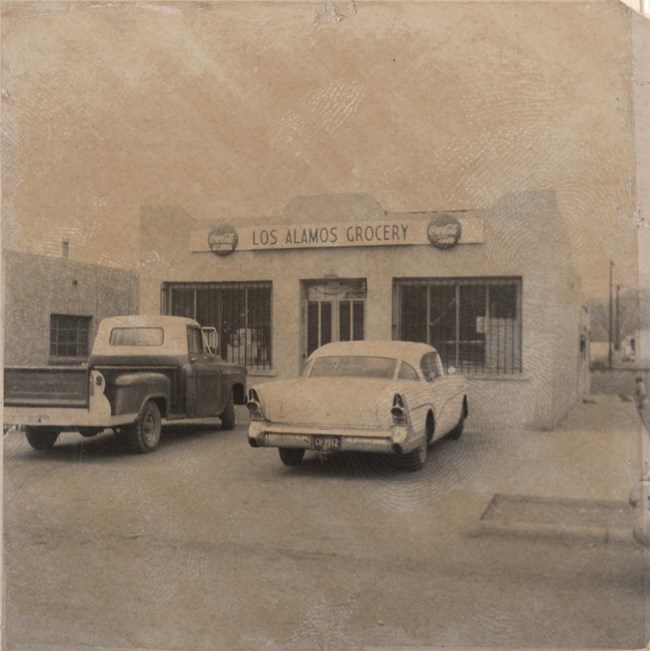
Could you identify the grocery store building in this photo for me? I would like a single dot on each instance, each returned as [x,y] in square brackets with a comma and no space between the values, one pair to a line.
[493,290]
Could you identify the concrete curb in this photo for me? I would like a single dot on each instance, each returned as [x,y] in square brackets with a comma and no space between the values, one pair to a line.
[551,532]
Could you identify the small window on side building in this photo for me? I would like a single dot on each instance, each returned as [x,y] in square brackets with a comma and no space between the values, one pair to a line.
[69,336]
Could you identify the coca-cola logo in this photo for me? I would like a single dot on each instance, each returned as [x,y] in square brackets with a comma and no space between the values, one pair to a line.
[444,231]
[223,239]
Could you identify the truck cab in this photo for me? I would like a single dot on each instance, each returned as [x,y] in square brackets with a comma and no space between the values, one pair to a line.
[142,370]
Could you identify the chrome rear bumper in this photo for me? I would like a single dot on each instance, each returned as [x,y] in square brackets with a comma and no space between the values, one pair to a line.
[394,440]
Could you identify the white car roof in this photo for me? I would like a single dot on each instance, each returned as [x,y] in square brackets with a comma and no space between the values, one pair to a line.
[408,351]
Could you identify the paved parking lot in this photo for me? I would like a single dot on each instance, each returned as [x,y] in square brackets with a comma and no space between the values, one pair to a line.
[209,544]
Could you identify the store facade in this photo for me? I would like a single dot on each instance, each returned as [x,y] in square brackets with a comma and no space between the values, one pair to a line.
[493,290]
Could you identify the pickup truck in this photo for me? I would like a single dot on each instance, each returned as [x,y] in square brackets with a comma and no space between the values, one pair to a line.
[142,370]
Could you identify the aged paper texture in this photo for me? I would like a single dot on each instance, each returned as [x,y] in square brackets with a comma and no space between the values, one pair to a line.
[469,179]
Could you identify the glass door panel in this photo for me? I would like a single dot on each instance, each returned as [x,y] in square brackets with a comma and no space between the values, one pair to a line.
[335,311]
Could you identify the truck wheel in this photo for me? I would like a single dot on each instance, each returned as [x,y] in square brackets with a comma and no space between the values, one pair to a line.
[291,456]
[41,439]
[144,434]
[228,415]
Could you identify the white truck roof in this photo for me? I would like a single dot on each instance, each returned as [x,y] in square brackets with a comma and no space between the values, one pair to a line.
[167,335]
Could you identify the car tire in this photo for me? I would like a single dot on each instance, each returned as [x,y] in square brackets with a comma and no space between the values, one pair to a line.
[291,456]
[88,432]
[458,430]
[40,438]
[144,434]
[414,460]
[430,428]
[228,414]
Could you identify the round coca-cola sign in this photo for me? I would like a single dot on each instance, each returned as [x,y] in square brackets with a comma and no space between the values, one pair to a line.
[444,231]
[223,239]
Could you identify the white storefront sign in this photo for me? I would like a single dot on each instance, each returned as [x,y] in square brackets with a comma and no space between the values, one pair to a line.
[441,231]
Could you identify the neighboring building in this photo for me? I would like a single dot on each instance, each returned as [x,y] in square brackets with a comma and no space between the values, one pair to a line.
[494,291]
[52,306]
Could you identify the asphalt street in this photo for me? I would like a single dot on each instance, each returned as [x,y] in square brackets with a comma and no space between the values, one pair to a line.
[209,544]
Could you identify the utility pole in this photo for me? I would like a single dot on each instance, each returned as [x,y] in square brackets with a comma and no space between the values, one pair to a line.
[611,309]
[617,326]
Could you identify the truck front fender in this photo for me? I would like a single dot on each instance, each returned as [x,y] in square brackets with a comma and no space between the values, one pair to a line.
[128,392]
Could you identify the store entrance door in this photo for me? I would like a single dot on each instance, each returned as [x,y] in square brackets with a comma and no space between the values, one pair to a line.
[333,310]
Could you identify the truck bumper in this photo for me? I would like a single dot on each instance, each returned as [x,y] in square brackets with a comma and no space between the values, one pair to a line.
[64,418]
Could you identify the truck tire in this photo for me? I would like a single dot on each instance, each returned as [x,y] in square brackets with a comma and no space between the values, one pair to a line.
[40,438]
[228,414]
[144,434]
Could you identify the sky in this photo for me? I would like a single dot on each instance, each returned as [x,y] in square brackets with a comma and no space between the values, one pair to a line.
[231,109]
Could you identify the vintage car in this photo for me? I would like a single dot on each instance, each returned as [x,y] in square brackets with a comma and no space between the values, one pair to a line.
[142,369]
[370,396]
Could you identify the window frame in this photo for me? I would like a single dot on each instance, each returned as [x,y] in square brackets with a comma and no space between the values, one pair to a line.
[82,333]
[116,329]
[412,373]
[244,325]
[498,340]
[194,336]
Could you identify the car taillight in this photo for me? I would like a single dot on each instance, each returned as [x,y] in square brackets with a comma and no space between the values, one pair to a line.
[254,406]
[398,410]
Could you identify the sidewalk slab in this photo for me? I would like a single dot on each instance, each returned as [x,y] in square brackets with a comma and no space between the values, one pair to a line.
[570,482]
[557,518]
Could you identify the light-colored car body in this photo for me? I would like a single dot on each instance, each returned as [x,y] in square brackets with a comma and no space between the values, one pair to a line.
[368,396]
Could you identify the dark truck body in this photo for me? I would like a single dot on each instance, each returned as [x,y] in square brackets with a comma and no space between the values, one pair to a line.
[142,369]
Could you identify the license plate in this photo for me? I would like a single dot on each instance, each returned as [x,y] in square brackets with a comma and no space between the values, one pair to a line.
[327,442]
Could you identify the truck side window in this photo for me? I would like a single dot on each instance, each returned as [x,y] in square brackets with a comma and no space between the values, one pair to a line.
[194,341]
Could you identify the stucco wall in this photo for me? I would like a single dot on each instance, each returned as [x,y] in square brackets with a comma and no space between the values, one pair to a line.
[37,286]
[525,236]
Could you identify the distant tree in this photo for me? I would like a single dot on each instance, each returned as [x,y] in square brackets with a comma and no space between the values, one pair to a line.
[628,315]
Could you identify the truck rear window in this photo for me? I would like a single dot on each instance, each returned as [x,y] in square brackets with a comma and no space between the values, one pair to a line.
[136,337]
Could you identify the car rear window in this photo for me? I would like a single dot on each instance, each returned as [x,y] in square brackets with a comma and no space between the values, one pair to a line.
[353,366]
[136,337]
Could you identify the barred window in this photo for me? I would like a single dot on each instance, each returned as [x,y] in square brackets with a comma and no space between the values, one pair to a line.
[69,335]
[474,323]
[240,312]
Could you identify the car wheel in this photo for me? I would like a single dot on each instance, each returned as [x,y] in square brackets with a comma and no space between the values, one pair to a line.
[291,456]
[88,432]
[228,414]
[41,439]
[144,434]
[458,430]
[429,428]
[414,460]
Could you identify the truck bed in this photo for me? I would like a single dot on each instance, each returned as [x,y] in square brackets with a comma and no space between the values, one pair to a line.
[47,386]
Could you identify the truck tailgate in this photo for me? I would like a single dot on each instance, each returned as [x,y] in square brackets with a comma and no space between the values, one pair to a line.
[48,386]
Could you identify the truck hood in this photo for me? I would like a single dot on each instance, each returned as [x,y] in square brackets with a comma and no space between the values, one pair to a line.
[351,402]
